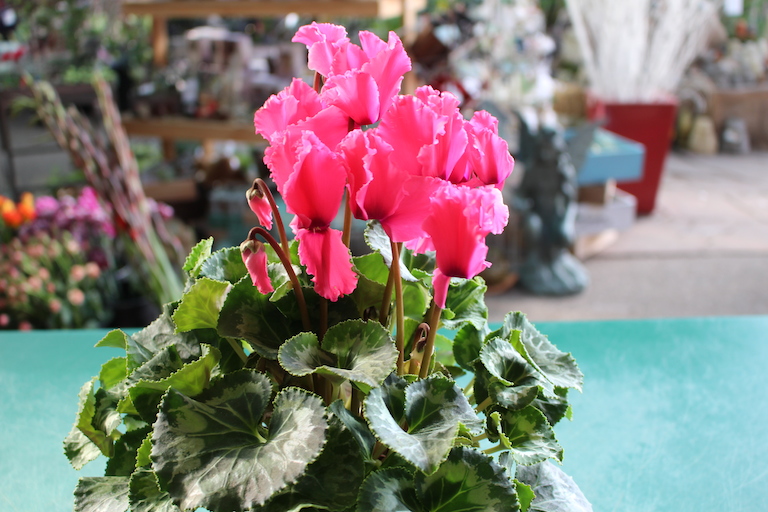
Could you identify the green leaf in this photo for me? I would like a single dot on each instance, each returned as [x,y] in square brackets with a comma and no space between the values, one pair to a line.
[102,494]
[145,344]
[558,367]
[555,408]
[526,433]
[225,265]
[389,490]
[331,482]
[443,351]
[214,451]
[555,491]
[416,300]
[466,300]
[123,462]
[200,305]
[433,409]
[115,338]
[197,256]
[143,453]
[367,294]
[356,426]
[467,344]
[514,383]
[113,372]
[190,379]
[525,495]
[79,449]
[145,495]
[379,241]
[468,481]
[372,267]
[362,352]
[87,423]
[249,315]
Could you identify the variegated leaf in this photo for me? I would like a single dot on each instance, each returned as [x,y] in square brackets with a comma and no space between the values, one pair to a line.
[526,434]
[214,451]
[102,494]
[432,410]
[362,352]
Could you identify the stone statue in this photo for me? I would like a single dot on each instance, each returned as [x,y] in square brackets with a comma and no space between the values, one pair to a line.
[546,202]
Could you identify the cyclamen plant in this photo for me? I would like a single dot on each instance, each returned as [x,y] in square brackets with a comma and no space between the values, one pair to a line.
[292,376]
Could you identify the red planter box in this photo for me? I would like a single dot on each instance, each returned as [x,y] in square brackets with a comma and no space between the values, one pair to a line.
[652,125]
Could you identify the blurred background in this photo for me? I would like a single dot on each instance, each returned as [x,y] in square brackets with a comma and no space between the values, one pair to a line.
[639,129]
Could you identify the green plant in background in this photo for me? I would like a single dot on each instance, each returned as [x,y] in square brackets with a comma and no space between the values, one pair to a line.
[292,376]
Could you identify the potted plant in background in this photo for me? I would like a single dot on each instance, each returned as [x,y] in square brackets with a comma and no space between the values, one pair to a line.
[634,55]
[293,376]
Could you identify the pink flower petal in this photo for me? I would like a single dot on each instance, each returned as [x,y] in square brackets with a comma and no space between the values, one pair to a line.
[255,259]
[488,153]
[356,93]
[314,190]
[259,205]
[323,41]
[328,260]
[295,103]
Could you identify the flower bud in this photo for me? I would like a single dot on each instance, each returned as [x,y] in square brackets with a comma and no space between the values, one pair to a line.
[255,259]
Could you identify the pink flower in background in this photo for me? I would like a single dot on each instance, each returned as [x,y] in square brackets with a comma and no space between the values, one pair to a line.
[255,259]
[460,219]
[75,296]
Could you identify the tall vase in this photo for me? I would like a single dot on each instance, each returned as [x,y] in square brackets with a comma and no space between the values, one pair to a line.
[650,124]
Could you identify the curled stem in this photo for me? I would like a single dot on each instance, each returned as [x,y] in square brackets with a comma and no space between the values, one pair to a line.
[286,261]
[419,341]
[263,189]
[429,348]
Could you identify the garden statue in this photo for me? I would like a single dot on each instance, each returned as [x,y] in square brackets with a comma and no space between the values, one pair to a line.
[546,202]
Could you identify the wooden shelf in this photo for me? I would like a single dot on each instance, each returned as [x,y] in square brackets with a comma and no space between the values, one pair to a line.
[183,128]
[203,8]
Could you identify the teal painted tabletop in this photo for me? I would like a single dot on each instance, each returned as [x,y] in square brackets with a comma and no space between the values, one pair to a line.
[673,418]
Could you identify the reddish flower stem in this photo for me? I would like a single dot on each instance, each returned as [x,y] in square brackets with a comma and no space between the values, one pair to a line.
[429,348]
[264,190]
[286,261]
[399,307]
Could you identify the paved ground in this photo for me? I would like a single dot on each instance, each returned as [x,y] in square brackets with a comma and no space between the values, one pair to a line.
[704,251]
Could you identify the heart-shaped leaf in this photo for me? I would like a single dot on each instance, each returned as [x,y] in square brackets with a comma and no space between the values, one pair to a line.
[468,481]
[466,302]
[215,452]
[558,367]
[514,383]
[225,265]
[389,490]
[102,494]
[432,410]
[249,315]
[362,352]
[190,379]
[526,434]
[200,305]
[555,491]
[145,494]
[331,482]
[467,344]
[197,256]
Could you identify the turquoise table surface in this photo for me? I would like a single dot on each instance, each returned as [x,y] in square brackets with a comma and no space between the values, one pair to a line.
[673,417]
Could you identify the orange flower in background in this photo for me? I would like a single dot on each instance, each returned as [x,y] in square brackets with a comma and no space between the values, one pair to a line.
[11,215]
[26,206]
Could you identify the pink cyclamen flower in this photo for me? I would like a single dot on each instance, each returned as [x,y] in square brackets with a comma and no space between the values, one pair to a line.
[259,204]
[460,219]
[380,190]
[255,259]
[488,153]
[312,191]
[360,80]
